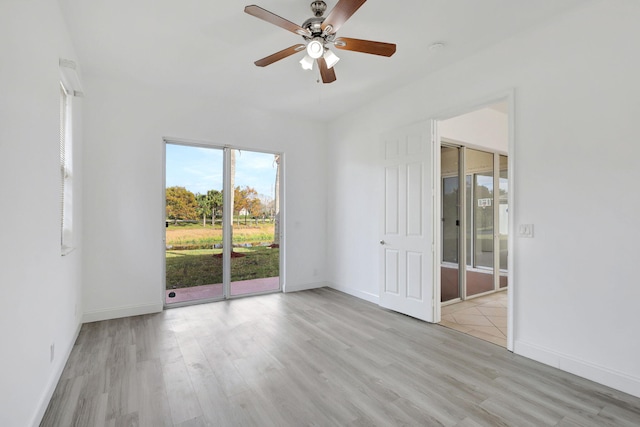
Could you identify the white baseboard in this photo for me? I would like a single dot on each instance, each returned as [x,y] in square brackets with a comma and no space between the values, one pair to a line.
[356,293]
[600,374]
[304,286]
[53,381]
[115,313]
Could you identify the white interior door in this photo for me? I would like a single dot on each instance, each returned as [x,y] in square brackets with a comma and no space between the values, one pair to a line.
[407,235]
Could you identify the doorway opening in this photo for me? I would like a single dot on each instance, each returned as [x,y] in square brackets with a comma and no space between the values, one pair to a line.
[218,198]
[474,207]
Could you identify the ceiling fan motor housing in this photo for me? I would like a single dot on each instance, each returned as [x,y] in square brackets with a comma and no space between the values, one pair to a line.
[318,8]
[314,25]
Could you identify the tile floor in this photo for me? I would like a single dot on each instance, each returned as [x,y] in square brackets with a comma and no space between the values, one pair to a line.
[484,317]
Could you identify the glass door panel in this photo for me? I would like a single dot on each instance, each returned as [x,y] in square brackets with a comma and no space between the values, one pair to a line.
[449,270]
[503,220]
[468,217]
[193,234]
[255,228]
[480,271]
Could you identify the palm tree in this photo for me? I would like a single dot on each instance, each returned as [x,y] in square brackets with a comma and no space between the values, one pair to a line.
[204,207]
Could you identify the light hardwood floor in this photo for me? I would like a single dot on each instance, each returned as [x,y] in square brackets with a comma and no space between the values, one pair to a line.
[319,358]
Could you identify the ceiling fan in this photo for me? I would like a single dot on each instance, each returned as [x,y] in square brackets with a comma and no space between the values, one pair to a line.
[319,33]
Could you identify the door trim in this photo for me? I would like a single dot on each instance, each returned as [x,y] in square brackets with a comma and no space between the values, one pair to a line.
[509,97]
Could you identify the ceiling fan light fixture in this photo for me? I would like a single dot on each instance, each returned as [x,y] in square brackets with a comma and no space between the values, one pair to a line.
[315,49]
[331,58]
[319,33]
[307,63]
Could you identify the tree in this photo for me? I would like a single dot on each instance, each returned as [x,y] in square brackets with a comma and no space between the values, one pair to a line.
[216,200]
[239,201]
[255,204]
[266,206]
[208,205]
[204,207]
[180,204]
[246,199]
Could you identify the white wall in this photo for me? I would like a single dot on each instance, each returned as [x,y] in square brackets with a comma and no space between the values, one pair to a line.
[576,160]
[125,124]
[41,290]
[484,127]
[576,165]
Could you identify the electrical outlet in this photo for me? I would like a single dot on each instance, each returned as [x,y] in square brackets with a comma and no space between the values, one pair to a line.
[52,351]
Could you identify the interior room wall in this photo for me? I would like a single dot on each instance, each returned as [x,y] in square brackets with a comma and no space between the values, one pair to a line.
[484,127]
[576,162]
[124,213]
[41,290]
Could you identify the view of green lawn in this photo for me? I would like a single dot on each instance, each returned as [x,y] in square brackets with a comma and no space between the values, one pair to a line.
[190,235]
[191,260]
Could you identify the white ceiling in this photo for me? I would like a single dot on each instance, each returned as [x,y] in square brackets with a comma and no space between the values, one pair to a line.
[209,46]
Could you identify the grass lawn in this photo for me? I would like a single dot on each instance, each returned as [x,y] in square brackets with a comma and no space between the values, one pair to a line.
[192,236]
[187,268]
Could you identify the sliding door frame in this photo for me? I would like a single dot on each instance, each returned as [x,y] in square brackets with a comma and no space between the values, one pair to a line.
[463,255]
[227,219]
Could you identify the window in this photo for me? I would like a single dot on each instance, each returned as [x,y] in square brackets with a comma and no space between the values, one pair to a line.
[66,175]
[70,90]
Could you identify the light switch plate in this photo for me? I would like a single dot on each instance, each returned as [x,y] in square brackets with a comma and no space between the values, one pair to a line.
[525,230]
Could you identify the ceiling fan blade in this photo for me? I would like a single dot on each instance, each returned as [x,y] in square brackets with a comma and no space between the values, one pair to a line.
[327,74]
[339,15]
[274,19]
[365,46]
[279,55]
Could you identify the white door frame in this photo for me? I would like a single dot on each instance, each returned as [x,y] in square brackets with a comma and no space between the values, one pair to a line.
[509,97]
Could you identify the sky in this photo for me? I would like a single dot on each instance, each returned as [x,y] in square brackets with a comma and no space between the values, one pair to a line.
[199,169]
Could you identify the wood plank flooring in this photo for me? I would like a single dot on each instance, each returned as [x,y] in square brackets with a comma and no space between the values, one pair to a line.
[313,358]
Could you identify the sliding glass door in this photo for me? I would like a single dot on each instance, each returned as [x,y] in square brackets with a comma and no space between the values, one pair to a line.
[255,260]
[503,219]
[474,222]
[480,224]
[193,208]
[221,223]
[449,270]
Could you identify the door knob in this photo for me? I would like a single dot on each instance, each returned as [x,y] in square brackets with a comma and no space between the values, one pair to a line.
[382,242]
